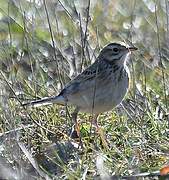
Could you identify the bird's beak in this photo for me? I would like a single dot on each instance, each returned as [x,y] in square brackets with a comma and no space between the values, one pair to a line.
[132,48]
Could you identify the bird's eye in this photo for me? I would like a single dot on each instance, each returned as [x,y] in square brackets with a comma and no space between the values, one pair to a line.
[115,50]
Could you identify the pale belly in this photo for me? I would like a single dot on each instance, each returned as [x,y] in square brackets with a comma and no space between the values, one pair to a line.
[106,97]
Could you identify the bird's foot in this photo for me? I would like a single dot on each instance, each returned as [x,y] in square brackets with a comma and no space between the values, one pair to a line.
[75,133]
[101,133]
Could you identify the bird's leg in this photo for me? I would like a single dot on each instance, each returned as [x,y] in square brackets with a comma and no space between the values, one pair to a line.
[94,120]
[76,130]
[100,131]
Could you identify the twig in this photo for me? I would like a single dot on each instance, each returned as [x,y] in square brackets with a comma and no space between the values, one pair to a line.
[84,35]
[15,130]
[160,56]
[53,43]
[31,159]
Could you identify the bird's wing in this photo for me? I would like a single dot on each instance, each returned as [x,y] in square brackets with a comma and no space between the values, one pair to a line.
[86,79]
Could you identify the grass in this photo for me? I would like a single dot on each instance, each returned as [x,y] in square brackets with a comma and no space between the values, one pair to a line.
[35,143]
[137,136]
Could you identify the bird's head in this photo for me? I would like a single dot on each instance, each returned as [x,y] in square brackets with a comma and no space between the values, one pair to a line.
[115,53]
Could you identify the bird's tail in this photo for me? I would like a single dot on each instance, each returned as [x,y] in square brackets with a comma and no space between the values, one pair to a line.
[46,101]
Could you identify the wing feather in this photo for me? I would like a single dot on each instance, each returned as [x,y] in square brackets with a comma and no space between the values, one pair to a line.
[87,78]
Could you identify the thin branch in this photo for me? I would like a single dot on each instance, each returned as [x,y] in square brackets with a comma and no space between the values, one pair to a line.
[31,159]
[9,28]
[160,56]
[68,13]
[53,43]
[132,65]
[84,35]
[15,130]
[167,14]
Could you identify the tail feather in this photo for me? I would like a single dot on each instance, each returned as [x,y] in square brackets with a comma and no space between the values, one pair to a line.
[46,101]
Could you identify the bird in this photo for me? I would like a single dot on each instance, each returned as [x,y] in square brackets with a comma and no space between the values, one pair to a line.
[100,87]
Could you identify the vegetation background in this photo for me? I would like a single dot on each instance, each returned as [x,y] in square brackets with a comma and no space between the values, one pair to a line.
[43,45]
